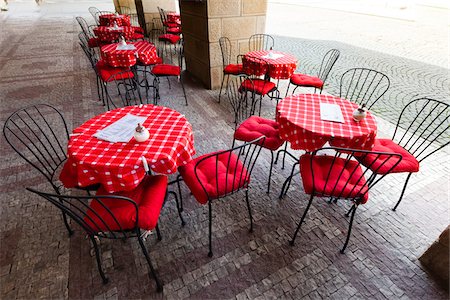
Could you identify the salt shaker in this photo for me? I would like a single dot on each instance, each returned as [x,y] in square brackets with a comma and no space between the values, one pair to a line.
[360,113]
[141,133]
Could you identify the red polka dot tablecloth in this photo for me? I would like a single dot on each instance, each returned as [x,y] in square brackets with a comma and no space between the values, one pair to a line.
[118,166]
[144,51]
[108,20]
[110,34]
[281,65]
[173,17]
[301,125]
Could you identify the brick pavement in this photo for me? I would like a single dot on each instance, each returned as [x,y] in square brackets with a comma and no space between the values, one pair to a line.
[38,260]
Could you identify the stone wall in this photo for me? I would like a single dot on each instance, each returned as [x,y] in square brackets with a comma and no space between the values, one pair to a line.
[150,7]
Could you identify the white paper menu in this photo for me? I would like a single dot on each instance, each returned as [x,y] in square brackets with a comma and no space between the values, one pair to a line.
[120,131]
[331,112]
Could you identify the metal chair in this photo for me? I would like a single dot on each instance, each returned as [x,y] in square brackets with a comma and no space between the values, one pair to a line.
[92,41]
[260,42]
[100,13]
[214,176]
[303,80]
[422,129]
[337,174]
[228,67]
[114,217]
[93,11]
[363,86]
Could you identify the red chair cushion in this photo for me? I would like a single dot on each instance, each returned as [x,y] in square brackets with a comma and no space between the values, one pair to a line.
[306,80]
[137,36]
[171,24]
[379,165]
[172,38]
[232,176]
[174,30]
[254,127]
[166,70]
[138,29]
[149,196]
[106,72]
[234,69]
[259,86]
[93,42]
[345,180]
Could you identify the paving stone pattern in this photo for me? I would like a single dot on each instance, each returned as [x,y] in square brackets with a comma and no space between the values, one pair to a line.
[38,260]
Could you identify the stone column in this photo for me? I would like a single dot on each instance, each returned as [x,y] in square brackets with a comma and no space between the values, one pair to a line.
[206,21]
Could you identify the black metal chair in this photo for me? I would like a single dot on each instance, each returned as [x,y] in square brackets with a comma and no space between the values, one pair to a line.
[337,174]
[228,67]
[249,127]
[422,129]
[93,11]
[213,176]
[260,42]
[100,13]
[111,217]
[92,41]
[363,86]
[303,80]
[38,133]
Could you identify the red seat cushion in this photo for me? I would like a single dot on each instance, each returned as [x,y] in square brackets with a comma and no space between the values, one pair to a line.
[166,70]
[232,176]
[138,29]
[174,30]
[345,180]
[106,72]
[93,42]
[137,36]
[171,24]
[172,38]
[306,80]
[234,69]
[259,86]
[157,60]
[149,196]
[379,165]
[254,127]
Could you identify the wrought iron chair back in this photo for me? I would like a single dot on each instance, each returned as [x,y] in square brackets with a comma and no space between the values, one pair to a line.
[425,123]
[327,64]
[239,100]
[122,91]
[260,42]
[90,54]
[100,13]
[225,49]
[93,11]
[39,134]
[363,86]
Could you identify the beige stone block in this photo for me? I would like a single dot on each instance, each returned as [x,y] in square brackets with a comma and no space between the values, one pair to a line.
[151,6]
[195,26]
[254,7]
[215,55]
[221,8]
[216,77]
[261,24]
[243,46]
[214,29]
[238,28]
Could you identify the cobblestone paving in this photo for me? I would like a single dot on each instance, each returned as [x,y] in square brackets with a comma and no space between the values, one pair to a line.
[38,260]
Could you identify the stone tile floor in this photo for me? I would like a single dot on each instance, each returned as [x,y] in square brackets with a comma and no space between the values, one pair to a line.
[38,260]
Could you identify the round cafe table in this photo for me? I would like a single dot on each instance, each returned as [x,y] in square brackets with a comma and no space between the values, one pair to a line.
[108,20]
[281,65]
[109,34]
[118,166]
[144,52]
[301,124]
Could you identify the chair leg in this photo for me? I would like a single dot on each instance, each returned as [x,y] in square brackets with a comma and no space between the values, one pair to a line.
[354,207]
[350,210]
[178,207]
[159,286]
[403,191]
[287,90]
[99,263]
[179,178]
[210,253]
[184,92]
[301,220]
[270,172]
[158,232]
[287,182]
[66,223]
[249,211]
[221,86]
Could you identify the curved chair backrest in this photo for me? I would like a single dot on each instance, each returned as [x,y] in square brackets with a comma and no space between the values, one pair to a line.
[426,127]
[100,13]
[93,11]
[340,163]
[225,48]
[162,15]
[240,160]
[39,134]
[124,91]
[90,54]
[327,64]
[363,86]
[260,42]
[105,225]
[84,26]
[240,103]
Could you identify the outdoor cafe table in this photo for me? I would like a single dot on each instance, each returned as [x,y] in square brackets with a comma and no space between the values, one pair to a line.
[118,166]
[301,124]
[173,17]
[108,20]
[281,65]
[144,51]
[109,34]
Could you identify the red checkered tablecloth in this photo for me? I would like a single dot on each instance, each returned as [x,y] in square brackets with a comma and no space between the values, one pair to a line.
[279,68]
[110,34]
[145,52]
[118,166]
[173,17]
[108,20]
[301,125]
